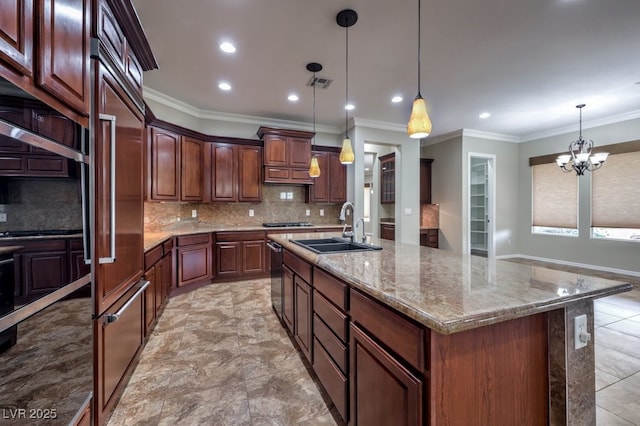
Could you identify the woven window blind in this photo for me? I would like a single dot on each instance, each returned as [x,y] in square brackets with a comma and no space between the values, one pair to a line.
[615,192]
[555,197]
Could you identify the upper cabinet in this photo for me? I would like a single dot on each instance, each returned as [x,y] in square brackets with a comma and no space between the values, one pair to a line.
[425,180]
[287,155]
[331,185]
[44,49]
[388,178]
[174,166]
[233,172]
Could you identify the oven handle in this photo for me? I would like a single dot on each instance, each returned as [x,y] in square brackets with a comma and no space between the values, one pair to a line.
[109,318]
[112,243]
[4,262]
[274,246]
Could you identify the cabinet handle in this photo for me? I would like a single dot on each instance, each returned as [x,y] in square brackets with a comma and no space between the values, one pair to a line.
[112,221]
[6,261]
[109,318]
[86,197]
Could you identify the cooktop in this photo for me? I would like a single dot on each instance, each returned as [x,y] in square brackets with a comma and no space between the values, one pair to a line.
[285,224]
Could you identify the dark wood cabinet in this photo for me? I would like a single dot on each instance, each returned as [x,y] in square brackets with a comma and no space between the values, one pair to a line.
[429,238]
[383,391]
[303,316]
[388,231]
[158,271]
[17,36]
[388,178]
[298,301]
[191,169]
[78,267]
[425,180]
[287,155]
[240,254]
[288,299]
[163,165]
[235,172]
[150,317]
[331,185]
[194,259]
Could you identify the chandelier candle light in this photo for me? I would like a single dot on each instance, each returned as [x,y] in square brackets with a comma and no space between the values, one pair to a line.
[314,168]
[580,158]
[419,125]
[346,18]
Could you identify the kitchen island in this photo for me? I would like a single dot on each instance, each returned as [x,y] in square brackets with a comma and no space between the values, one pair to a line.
[413,335]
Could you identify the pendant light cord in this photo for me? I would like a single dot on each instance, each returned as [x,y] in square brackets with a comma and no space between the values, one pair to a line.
[346,110]
[314,109]
[419,37]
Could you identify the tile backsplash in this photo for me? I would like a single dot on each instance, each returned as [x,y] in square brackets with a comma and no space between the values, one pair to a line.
[271,209]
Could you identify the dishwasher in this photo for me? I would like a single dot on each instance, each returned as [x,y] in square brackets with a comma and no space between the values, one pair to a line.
[276,277]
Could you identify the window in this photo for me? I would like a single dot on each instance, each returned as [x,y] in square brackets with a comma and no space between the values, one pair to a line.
[555,201]
[615,198]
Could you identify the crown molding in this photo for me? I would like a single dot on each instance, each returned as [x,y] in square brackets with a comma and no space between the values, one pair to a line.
[381,125]
[441,138]
[183,107]
[489,135]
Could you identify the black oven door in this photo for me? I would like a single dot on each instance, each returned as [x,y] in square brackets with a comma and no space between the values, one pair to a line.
[276,278]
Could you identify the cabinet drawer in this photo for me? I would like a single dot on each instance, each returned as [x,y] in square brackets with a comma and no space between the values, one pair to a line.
[333,318]
[334,382]
[152,256]
[299,266]
[399,334]
[193,239]
[168,246]
[331,343]
[240,236]
[300,176]
[332,288]
[276,174]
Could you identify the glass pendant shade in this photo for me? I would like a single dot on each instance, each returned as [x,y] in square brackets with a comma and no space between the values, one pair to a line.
[314,169]
[346,154]
[419,123]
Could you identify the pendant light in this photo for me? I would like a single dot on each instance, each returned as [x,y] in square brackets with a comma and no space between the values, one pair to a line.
[314,168]
[419,125]
[346,18]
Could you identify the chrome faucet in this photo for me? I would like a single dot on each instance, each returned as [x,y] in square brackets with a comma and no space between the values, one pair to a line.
[364,236]
[343,216]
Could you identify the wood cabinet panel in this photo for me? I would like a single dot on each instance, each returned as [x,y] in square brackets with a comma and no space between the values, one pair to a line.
[228,259]
[331,344]
[275,151]
[63,53]
[333,380]
[253,257]
[336,320]
[194,263]
[150,300]
[163,161]
[331,185]
[287,155]
[319,191]
[16,35]
[191,169]
[249,173]
[303,317]
[45,271]
[224,163]
[300,153]
[288,292]
[333,289]
[430,238]
[380,385]
[387,231]
[297,264]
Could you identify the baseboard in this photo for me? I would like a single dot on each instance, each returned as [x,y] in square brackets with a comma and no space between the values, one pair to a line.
[578,265]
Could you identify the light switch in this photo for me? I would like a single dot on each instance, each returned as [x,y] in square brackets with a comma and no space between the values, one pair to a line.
[307,212]
[251,212]
[3,217]
[407,211]
[194,213]
[321,212]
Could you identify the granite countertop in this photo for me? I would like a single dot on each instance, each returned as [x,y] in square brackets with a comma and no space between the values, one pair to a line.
[450,292]
[152,239]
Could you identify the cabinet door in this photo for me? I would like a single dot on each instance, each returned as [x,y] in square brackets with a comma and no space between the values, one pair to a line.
[299,152]
[288,293]
[224,181]
[16,35]
[192,157]
[63,51]
[302,315]
[388,232]
[275,151]
[425,180]
[194,264]
[337,179]
[250,173]
[380,385]
[319,191]
[45,271]
[164,165]
[228,259]
[159,286]
[253,257]
[150,300]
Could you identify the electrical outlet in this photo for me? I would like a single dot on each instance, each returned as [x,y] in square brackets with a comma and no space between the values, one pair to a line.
[580,335]
[194,213]
[321,212]
[307,212]
[289,195]
[251,213]
[283,195]
[3,217]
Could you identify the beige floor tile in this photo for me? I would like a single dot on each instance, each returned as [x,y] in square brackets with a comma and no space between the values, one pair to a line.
[623,399]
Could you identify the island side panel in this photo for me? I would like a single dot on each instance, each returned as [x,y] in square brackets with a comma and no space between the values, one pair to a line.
[496,374]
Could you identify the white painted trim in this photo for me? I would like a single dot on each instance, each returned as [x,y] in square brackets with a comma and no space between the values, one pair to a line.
[578,265]
[441,138]
[381,125]
[491,136]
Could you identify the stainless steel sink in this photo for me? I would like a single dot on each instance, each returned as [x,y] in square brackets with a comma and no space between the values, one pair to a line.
[334,245]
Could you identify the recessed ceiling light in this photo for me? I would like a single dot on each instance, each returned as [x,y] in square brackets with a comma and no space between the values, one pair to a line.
[484,115]
[349,107]
[366,169]
[227,47]
[223,85]
[396,99]
[293,97]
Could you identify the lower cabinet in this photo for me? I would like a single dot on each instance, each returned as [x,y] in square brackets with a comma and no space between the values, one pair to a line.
[387,231]
[303,317]
[429,238]
[239,254]
[288,291]
[158,265]
[194,259]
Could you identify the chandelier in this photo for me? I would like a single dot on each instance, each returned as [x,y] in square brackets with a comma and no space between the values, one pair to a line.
[580,157]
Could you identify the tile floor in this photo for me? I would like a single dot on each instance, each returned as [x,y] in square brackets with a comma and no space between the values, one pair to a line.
[218,356]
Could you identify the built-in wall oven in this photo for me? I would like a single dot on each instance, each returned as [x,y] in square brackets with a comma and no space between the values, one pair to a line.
[276,277]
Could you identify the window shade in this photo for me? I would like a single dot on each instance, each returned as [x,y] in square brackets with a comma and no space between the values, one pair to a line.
[615,192]
[555,197]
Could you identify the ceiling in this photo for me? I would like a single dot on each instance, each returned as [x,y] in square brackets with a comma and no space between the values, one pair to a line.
[527,63]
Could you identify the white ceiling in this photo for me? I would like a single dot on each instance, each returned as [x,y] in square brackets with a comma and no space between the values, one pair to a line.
[527,62]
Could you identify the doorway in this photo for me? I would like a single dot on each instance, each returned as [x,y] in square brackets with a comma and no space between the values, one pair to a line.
[481,223]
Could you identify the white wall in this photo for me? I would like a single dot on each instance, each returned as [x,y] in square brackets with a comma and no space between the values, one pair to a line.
[617,255]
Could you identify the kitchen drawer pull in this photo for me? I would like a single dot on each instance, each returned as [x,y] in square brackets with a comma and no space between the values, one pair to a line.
[6,261]
[112,243]
[87,201]
[109,318]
